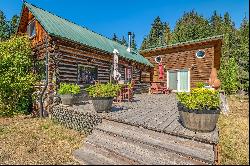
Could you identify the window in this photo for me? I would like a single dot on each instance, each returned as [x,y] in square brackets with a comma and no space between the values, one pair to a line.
[31,29]
[86,74]
[200,54]
[128,74]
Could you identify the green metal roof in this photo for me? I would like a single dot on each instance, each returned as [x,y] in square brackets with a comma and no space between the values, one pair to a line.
[220,37]
[59,27]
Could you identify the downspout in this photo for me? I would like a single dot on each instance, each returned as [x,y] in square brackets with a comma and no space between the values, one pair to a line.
[46,83]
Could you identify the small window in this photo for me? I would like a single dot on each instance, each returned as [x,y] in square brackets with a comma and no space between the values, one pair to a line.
[86,74]
[200,54]
[31,29]
[158,59]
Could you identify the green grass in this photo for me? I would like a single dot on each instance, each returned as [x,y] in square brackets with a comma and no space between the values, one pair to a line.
[234,132]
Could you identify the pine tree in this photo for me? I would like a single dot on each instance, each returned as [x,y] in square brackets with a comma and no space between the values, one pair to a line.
[115,38]
[133,42]
[4,28]
[14,24]
[155,37]
[191,26]
[243,54]
[144,44]
[167,36]
[216,23]
[124,41]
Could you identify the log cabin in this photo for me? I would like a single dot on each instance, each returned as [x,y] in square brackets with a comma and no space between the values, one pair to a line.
[75,53]
[185,64]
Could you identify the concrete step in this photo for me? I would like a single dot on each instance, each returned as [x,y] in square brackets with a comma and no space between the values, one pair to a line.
[135,151]
[184,147]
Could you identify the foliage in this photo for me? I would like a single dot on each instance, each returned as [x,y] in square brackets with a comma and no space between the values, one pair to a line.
[159,35]
[103,90]
[191,26]
[13,24]
[200,99]
[4,33]
[229,74]
[200,85]
[16,78]
[69,89]
[7,28]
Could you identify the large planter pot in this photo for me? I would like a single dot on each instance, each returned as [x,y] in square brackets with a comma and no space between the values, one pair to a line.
[203,121]
[102,104]
[67,99]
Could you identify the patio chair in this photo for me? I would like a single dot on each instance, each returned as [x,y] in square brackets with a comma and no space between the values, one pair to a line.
[127,93]
[157,88]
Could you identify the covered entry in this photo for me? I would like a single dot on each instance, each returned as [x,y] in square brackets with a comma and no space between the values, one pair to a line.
[179,80]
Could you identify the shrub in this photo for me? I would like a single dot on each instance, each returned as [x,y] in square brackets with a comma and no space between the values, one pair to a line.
[103,90]
[69,89]
[16,78]
[200,99]
[200,85]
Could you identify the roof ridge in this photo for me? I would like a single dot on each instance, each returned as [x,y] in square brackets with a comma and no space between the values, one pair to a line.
[185,42]
[74,23]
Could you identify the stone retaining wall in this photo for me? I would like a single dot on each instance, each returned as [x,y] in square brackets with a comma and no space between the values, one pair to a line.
[74,119]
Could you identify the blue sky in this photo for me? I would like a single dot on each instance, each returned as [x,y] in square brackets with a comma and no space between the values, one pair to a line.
[112,16]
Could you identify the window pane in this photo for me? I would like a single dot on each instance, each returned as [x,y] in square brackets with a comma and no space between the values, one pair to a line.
[31,29]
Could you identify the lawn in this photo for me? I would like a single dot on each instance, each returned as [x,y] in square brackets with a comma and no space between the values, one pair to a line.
[26,140]
[234,132]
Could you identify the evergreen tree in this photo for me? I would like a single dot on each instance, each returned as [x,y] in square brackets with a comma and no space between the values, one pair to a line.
[191,26]
[115,38]
[144,44]
[133,42]
[167,36]
[243,54]
[14,24]
[124,41]
[4,28]
[156,35]
[216,23]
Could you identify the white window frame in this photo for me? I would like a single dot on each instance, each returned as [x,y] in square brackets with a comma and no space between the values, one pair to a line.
[198,51]
[178,79]
[28,28]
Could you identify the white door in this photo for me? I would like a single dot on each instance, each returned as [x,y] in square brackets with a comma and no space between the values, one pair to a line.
[178,80]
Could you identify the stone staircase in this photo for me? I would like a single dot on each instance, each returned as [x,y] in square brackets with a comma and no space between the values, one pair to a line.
[117,143]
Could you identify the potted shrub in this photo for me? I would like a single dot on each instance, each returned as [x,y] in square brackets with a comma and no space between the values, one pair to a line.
[67,93]
[199,109]
[102,96]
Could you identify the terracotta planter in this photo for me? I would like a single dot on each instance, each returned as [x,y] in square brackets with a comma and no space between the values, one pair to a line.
[203,121]
[102,104]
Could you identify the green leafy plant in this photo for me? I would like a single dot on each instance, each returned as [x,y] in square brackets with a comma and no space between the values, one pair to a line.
[69,89]
[200,99]
[16,77]
[103,90]
[200,85]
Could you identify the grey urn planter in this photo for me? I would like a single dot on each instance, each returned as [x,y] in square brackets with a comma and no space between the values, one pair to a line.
[67,99]
[202,121]
[102,104]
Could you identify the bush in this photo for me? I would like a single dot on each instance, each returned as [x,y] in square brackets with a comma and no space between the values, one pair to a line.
[69,89]
[16,78]
[200,85]
[103,90]
[200,99]
[229,76]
